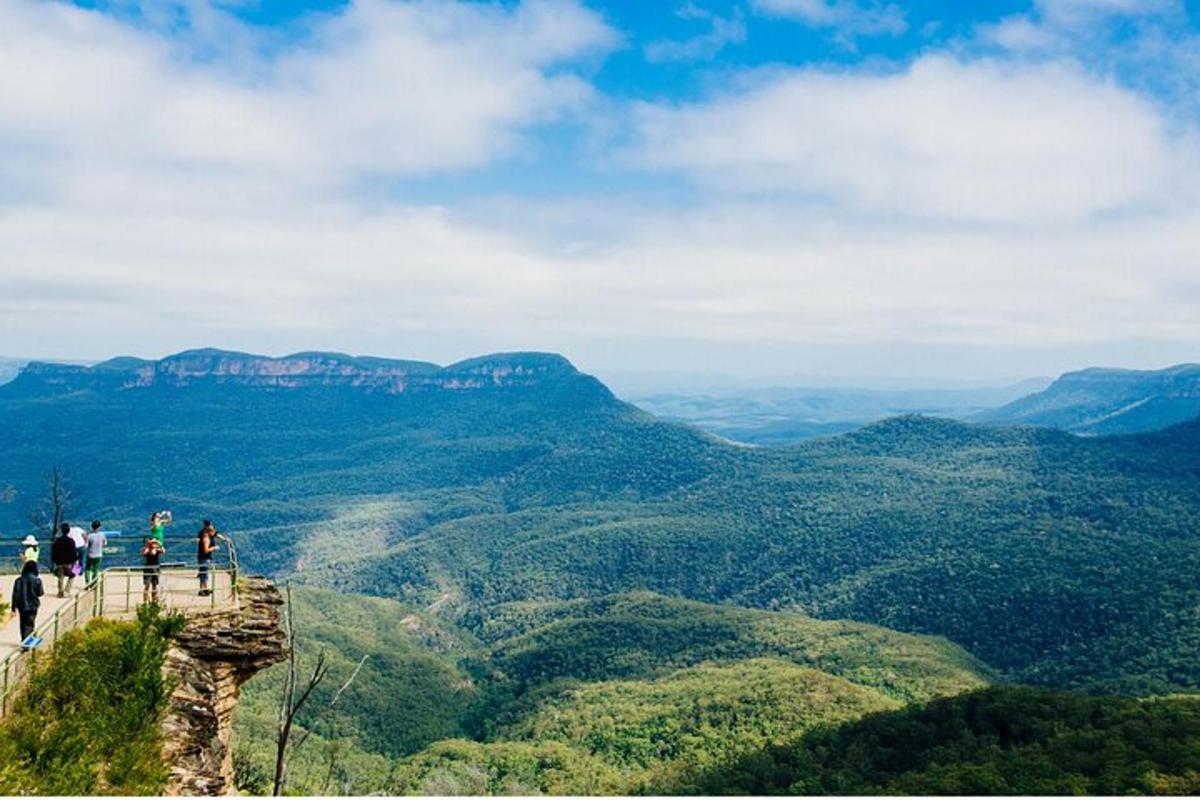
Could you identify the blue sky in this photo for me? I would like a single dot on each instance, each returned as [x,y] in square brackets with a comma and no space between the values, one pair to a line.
[837,187]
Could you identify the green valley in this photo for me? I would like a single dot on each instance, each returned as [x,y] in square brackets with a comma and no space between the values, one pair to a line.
[629,693]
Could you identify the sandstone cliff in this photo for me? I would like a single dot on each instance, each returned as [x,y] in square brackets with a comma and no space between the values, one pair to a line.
[217,652]
[210,367]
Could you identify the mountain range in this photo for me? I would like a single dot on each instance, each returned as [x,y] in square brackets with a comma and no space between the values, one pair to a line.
[510,516]
[1109,401]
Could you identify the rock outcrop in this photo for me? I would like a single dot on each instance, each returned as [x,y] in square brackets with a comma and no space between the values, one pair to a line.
[215,654]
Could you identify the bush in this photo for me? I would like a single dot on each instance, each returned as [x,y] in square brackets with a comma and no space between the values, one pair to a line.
[87,721]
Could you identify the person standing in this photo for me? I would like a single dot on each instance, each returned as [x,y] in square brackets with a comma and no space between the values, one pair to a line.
[152,551]
[27,597]
[159,520]
[96,542]
[29,550]
[63,558]
[205,547]
[80,540]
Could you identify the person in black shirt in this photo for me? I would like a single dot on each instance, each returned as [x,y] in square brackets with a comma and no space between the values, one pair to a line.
[27,597]
[63,556]
[152,551]
[206,545]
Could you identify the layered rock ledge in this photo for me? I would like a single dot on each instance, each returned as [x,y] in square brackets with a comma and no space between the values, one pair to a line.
[215,654]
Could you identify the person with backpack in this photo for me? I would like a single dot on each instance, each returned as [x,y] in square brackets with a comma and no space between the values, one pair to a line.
[205,547]
[96,542]
[152,551]
[27,597]
[63,558]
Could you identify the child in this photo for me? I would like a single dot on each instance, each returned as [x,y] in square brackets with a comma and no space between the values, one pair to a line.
[152,551]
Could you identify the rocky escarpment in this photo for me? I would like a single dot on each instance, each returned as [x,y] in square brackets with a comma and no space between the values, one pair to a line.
[300,370]
[215,654]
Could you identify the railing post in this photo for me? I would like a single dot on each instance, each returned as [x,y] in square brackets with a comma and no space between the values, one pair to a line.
[4,700]
[128,580]
[99,596]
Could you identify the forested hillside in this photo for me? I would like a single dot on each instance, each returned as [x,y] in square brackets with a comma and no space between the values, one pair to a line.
[1003,741]
[1109,401]
[627,693]
[1056,559]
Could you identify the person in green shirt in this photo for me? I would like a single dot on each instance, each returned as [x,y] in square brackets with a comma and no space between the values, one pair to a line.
[159,520]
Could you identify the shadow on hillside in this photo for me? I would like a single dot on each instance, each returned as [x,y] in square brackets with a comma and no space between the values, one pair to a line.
[996,741]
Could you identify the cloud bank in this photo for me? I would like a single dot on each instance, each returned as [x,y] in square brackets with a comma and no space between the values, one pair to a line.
[160,190]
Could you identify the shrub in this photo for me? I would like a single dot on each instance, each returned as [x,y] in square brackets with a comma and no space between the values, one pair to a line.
[87,721]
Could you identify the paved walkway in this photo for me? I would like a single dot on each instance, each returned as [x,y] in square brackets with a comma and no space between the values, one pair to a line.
[178,589]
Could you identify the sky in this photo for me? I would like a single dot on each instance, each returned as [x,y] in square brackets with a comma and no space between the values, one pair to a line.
[929,190]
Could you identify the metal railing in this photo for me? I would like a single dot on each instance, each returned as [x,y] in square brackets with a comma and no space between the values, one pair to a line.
[123,550]
[117,592]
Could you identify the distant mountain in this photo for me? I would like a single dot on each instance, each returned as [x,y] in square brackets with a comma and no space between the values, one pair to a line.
[210,367]
[1108,401]
[786,415]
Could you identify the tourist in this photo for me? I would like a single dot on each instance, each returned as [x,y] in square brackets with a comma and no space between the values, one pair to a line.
[96,542]
[159,520]
[152,551]
[205,547]
[63,558]
[80,540]
[29,550]
[26,597]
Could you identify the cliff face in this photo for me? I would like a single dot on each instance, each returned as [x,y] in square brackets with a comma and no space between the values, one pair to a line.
[300,370]
[217,652]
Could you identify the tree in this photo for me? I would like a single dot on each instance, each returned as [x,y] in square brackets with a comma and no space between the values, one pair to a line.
[294,698]
[57,504]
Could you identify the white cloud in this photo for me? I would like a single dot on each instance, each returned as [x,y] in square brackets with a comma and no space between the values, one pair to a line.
[1147,45]
[984,141]
[722,32]
[153,198]
[386,87]
[849,17]
[1076,12]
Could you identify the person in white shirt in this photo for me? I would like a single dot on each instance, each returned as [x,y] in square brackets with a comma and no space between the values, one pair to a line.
[80,539]
[96,542]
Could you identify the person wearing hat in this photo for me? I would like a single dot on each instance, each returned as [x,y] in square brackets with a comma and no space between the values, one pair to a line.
[29,549]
